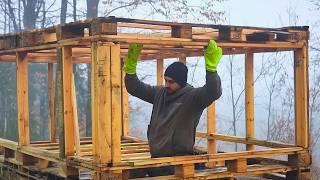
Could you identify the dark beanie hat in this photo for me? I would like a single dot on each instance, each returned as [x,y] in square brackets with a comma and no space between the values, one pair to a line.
[178,72]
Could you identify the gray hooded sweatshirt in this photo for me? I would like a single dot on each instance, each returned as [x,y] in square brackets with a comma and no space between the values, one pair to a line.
[175,117]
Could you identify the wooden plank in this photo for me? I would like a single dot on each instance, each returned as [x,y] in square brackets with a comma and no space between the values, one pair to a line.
[101,102]
[301,96]
[22,99]
[249,98]
[184,171]
[98,27]
[51,92]
[125,107]
[183,31]
[68,114]
[243,140]
[160,72]
[239,165]
[75,116]
[231,34]
[59,103]
[183,59]
[211,128]
[116,108]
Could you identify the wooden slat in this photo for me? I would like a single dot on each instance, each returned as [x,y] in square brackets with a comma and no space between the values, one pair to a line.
[183,59]
[243,140]
[125,107]
[301,96]
[211,128]
[51,92]
[68,115]
[116,105]
[101,102]
[160,72]
[75,116]
[22,100]
[249,98]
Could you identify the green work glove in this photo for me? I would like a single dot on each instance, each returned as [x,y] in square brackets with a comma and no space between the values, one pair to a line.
[130,65]
[212,55]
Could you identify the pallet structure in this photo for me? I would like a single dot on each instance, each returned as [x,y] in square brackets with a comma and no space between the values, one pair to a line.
[110,153]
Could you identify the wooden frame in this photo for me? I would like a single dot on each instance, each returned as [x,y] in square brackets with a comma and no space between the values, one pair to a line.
[110,152]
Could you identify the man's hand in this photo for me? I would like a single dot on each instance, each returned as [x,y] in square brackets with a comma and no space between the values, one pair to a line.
[212,55]
[130,65]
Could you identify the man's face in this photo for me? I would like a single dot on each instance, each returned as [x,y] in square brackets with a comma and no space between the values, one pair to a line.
[171,85]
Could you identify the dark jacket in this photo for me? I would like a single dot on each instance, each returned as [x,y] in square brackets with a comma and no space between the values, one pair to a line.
[174,117]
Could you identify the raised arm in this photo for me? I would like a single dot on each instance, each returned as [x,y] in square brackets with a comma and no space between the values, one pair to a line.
[211,91]
[133,85]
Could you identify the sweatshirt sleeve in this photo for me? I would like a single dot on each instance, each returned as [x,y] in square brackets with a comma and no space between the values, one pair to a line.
[139,89]
[210,92]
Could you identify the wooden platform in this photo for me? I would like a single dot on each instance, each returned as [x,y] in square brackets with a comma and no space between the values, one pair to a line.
[135,154]
[110,153]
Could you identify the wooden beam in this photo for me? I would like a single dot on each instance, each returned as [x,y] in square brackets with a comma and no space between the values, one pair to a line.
[116,105]
[160,72]
[68,115]
[184,171]
[101,102]
[238,165]
[125,108]
[243,140]
[22,99]
[51,92]
[249,98]
[183,59]
[75,116]
[301,96]
[211,128]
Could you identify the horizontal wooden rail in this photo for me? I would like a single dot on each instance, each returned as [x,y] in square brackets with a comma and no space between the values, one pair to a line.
[242,140]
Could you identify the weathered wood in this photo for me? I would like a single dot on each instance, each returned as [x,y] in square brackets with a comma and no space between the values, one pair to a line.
[243,140]
[239,165]
[51,93]
[183,59]
[68,114]
[75,116]
[211,128]
[301,96]
[116,108]
[183,31]
[249,98]
[160,77]
[98,27]
[59,103]
[185,171]
[125,107]
[100,102]
[22,100]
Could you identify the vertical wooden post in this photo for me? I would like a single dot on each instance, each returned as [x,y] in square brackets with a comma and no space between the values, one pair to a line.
[125,108]
[101,102]
[184,171]
[116,107]
[52,124]
[22,99]
[301,96]
[183,59]
[67,71]
[211,128]
[159,72]
[59,103]
[75,115]
[249,98]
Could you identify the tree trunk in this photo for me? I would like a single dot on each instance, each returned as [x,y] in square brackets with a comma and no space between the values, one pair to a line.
[63,15]
[92,8]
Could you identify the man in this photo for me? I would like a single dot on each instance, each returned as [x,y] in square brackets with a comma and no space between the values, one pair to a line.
[177,106]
